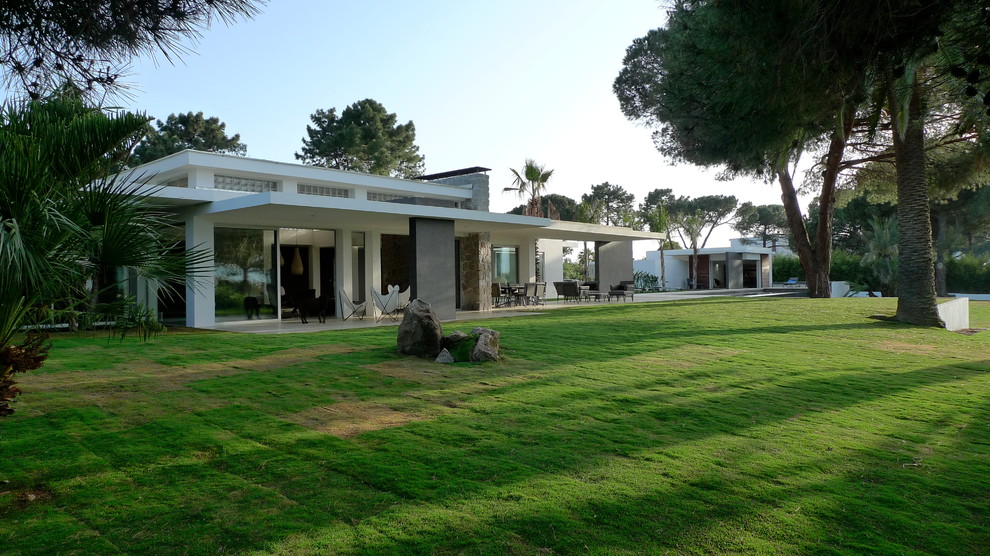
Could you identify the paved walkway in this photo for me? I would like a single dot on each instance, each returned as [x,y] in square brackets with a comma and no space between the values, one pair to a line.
[272,326]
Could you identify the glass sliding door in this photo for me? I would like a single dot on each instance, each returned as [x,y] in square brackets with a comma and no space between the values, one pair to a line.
[505,265]
[244,274]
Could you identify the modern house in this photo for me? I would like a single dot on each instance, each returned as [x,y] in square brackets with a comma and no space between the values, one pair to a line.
[280,232]
[735,267]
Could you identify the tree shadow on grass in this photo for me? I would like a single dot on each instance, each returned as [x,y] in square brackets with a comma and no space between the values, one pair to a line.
[233,468]
[867,496]
[242,477]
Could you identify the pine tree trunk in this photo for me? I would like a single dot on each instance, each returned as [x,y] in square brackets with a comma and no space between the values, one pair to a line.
[816,257]
[815,268]
[694,267]
[916,301]
[663,271]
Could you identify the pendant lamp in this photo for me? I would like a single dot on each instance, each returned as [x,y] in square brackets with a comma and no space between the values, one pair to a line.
[297,266]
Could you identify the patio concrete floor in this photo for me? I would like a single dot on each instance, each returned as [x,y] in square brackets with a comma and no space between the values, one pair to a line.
[290,326]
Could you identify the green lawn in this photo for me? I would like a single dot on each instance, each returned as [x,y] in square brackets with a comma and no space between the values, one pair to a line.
[693,427]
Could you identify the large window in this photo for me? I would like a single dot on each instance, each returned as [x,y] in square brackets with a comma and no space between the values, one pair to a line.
[245,271]
[505,265]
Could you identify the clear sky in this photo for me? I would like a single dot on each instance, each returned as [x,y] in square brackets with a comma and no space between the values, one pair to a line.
[487,83]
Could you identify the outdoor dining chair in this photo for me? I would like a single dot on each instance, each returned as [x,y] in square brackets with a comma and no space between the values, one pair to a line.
[541,294]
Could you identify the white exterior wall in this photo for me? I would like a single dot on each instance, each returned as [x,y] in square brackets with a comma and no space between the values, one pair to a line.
[678,272]
[554,253]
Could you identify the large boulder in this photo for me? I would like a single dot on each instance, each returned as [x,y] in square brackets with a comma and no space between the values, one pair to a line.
[420,332]
[487,348]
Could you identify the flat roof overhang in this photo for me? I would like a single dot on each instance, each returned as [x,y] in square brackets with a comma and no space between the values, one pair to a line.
[292,210]
[579,231]
[181,163]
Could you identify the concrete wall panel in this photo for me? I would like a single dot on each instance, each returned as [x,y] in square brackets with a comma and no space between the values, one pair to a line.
[613,262]
[433,273]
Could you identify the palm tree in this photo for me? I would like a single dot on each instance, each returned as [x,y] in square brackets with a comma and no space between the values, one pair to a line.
[658,219]
[531,182]
[64,219]
[589,212]
[882,253]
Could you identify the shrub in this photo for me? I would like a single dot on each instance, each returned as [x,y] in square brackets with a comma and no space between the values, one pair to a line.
[646,281]
[786,267]
[228,295]
[968,274]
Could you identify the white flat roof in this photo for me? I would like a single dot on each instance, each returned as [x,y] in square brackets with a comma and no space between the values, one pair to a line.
[562,229]
[180,163]
[720,250]
[295,210]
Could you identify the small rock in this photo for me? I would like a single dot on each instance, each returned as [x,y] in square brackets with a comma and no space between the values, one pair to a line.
[445,357]
[453,338]
[479,330]
[487,348]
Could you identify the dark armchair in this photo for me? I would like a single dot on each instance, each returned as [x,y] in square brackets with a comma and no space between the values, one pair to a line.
[570,291]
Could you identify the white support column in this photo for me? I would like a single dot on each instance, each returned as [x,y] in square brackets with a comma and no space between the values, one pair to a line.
[554,250]
[527,261]
[200,301]
[344,269]
[290,186]
[314,268]
[373,267]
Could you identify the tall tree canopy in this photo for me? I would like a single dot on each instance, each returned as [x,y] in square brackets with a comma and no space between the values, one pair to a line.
[704,81]
[558,207]
[186,131]
[364,138]
[615,202]
[90,42]
[768,223]
[751,84]
[711,211]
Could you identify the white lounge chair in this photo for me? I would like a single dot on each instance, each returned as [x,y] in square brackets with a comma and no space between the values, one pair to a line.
[402,298]
[349,309]
[385,305]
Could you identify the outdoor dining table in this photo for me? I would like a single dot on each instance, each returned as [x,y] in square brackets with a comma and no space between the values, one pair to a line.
[514,293]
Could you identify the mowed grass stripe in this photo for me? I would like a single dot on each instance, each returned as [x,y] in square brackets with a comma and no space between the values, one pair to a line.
[697,427]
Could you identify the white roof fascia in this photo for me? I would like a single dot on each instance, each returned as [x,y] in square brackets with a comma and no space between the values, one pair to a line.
[316,175]
[578,231]
[277,198]
[719,250]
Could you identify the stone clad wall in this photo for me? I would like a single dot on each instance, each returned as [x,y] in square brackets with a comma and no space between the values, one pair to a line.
[476,272]
[479,189]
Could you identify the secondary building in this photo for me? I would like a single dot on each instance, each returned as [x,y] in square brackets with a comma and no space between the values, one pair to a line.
[735,267]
